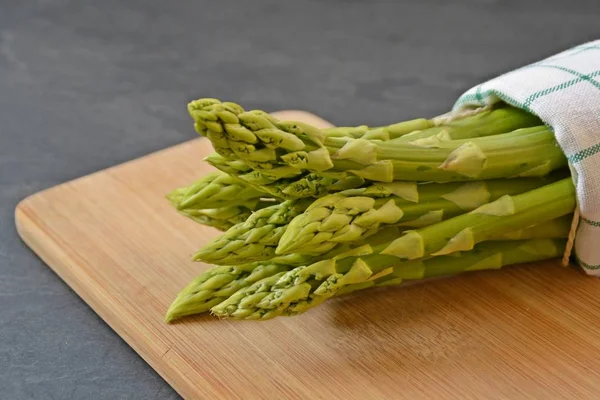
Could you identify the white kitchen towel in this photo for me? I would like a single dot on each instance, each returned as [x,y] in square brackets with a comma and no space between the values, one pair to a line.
[564,91]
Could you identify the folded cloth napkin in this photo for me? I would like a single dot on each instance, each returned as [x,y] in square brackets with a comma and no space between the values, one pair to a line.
[564,92]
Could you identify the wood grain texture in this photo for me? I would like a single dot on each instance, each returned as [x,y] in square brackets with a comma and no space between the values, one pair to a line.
[522,332]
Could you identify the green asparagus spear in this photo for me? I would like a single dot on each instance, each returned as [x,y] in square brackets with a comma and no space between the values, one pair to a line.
[228,126]
[254,239]
[353,214]
[235,132]
[271,147]
[486,123]
[216,285]
[215,190]
[290,293]
[288,188]
[507,214]
[525,152]
[226,217]
[512,253]
[221,218]
[490,122]
[556,228]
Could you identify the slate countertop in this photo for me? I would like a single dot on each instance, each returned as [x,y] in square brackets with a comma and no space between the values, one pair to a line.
[85,85]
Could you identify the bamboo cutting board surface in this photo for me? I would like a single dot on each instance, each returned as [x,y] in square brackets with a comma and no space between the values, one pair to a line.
[522,332]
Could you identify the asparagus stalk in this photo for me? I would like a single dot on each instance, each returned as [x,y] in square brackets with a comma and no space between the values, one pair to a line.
[276,183]
[216,285]
[507,214]
[261,182]
[223,218]
[272,146]
[303,186]
[487,123]
[556,228]
[235,132]
[254,239]
[353,214]
[519,252]
[227,125]
[287,293]
[215,190]
[491,122]
[524,152]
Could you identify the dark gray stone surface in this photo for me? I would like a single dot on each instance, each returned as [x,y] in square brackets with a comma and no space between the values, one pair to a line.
[88,84]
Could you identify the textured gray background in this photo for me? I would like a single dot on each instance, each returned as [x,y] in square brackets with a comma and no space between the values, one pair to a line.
[85,85]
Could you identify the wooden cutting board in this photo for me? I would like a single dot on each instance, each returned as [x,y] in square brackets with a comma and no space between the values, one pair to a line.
[522,332]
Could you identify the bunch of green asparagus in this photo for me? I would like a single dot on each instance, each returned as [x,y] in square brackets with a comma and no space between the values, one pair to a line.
[309,214]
